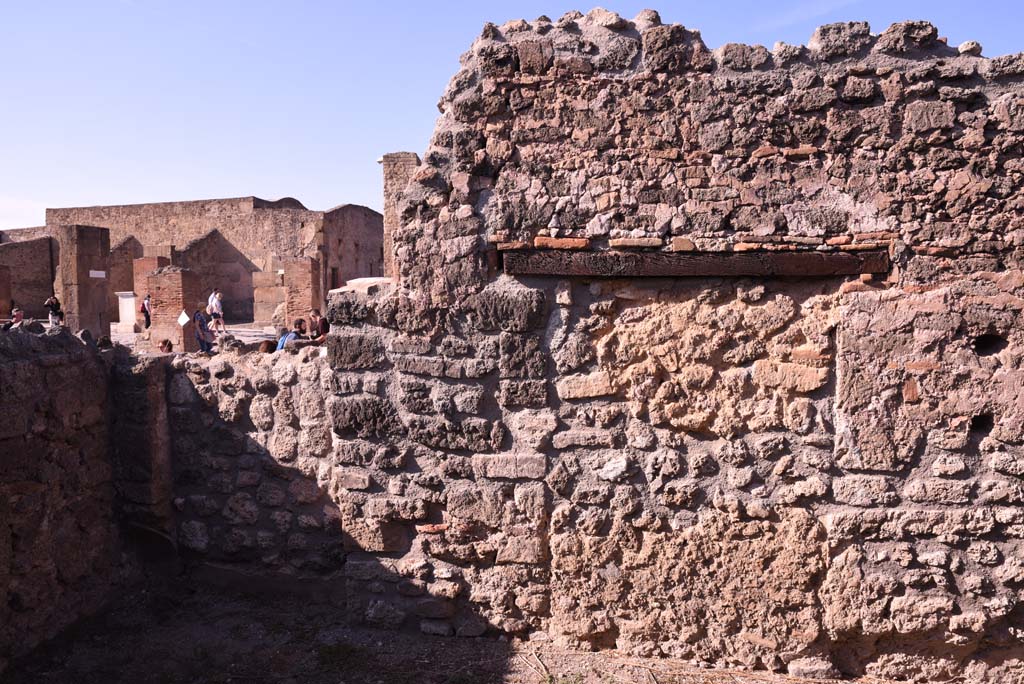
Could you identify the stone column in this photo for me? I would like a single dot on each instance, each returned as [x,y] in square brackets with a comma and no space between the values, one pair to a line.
[302,285]
[172,290]
[82,277]
[398,169]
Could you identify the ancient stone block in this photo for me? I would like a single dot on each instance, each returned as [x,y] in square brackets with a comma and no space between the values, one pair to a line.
[523,393]
[506,306]
[597,384]
[521,356]
[364,415]
[926,116]
[354,351]
[512,466]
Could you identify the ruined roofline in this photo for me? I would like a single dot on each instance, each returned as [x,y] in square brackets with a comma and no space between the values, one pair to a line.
[256,202]
[9,234]
[831,42]
[349,205]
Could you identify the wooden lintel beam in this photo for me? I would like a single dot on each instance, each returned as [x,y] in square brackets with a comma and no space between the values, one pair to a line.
[613,264]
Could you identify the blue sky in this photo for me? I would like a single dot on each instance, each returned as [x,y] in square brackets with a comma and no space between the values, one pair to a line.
[106,102]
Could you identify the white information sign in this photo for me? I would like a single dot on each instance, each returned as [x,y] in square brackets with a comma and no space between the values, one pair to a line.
[97,274]
[183,319]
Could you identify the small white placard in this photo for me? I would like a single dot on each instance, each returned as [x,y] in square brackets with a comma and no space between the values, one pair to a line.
[183,319]
[97,274]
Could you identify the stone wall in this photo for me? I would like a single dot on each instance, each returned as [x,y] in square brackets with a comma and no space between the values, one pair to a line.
[302,288]
[83,277]
[353,245]
[218,263]
[122,273]
[174,290]
[31,263]
[398,168]
[60,550]
[811,476]
[256,227]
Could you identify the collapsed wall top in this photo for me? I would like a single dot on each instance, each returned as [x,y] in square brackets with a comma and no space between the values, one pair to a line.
[596,133]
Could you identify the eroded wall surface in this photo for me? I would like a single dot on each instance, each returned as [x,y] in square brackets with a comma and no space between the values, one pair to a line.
[353,237]
[768,474]
[810,475]
[60,550]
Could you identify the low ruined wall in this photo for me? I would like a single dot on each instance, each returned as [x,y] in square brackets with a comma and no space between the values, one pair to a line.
[59,546]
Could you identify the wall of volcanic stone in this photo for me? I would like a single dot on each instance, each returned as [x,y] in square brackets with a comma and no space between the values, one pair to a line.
[59,545]
[811,475]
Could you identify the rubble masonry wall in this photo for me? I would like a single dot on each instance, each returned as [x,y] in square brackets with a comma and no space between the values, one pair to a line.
[803,475]
[60,550]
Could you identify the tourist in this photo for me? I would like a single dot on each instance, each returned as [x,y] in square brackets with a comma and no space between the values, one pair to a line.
[318,327]
[267,347]
[17,317]
[166,346]
[215,307]
[297,332]
[203,335]
[53,306]
[147,311]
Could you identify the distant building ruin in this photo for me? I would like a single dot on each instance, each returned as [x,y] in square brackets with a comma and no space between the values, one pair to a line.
[264,255]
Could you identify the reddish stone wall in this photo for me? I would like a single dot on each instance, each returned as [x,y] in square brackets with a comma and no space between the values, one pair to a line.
[22,234]
[60,553]
[225,241]
[218,263]
[268,293]
[122,271]
[352,238]
[255,227]
[398,168]
[142,268]
[173,290]
[83,277]
[302,287]
[31,265]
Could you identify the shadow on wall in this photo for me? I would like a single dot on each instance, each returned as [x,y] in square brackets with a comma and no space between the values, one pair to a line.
[267,499]
[220,264]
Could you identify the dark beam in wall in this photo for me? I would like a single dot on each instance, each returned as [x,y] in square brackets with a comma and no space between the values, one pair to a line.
[613,264]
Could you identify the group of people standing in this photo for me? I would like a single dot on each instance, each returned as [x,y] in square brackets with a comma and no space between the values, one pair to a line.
[205,336]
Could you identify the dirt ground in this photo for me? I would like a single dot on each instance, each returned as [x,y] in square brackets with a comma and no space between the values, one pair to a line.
[176,634]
